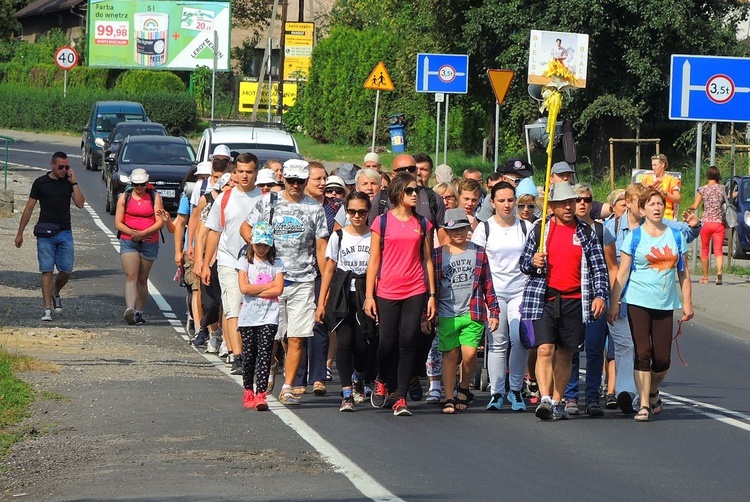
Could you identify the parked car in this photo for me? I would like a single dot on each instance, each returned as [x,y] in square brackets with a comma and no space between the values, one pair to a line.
[246,137]
[111,144]
[105,115]
[167,160]
[738,193]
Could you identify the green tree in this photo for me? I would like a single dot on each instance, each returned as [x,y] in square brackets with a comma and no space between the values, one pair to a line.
[9,27]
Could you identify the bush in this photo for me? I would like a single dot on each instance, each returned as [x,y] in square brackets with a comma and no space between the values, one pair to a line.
[135,81]
[45,76]
[89,78]
[23,107]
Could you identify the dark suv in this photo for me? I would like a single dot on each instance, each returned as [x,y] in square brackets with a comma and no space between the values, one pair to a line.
[167,159]
[738,191]
[105,115]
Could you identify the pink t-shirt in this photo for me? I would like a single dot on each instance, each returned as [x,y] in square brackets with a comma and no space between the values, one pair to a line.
[401,271]
[139,215]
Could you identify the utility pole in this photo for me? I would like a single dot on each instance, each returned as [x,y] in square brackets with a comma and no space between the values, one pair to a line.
[282,48]
[301,13]
[266,63]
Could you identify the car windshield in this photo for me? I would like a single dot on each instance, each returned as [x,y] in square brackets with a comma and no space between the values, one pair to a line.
[105,122]
[249,147]
[157,153]
[145,130]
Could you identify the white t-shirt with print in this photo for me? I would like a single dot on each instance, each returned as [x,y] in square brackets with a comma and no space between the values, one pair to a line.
[352,254]
[504,248]
[257,311]
[238,206]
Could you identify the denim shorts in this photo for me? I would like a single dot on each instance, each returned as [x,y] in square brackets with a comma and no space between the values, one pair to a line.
[147,250]
[55,251]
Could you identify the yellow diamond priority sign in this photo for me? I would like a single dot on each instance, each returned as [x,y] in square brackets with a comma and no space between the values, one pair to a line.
[379,80]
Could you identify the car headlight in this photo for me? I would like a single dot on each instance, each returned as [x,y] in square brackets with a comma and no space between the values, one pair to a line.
[124,178]
[747,218]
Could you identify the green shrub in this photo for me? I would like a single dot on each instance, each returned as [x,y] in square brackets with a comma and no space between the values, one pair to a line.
[89,78]
[136,81]
[12,73]
[45,76]
[176,111]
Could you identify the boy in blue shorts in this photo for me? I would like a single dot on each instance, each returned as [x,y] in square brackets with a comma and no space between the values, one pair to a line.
[464,294]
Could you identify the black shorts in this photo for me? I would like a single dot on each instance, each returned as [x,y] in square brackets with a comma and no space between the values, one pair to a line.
[566,331]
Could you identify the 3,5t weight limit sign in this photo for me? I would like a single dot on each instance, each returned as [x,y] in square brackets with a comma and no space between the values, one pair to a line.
[720,89]
[66,58]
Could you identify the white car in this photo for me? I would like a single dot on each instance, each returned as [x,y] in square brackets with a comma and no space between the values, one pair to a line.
[246,137]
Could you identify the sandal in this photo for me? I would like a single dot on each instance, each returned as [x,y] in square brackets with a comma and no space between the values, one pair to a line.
[656,406]
[433,397]
[643,415]
[704,280]
[462,402]
[319,389]
[299,390]
[449,407]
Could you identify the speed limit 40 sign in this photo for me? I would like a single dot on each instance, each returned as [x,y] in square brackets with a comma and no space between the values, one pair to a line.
[66,58]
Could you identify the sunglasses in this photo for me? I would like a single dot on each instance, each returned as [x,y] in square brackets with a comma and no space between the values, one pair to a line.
[267,185]
[295,181]
[64,167]
[409,169]
[138,185]
[530,207]
[337,191]
[587,200]
[410,190]
[361,213]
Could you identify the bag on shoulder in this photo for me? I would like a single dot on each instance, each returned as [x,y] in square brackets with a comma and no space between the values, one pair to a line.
[43,229]
[729,213]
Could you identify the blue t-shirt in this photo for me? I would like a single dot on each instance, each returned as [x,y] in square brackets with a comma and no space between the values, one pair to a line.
[652,283]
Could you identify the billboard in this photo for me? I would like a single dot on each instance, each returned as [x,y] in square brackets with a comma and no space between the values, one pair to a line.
[248,91]
[571,49]
[158,34]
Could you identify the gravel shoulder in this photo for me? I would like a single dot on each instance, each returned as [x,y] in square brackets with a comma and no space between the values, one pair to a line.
[128,413]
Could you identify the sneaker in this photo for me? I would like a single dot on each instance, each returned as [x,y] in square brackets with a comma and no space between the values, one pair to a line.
[248,399]
[287,397]
[433,396]
[559,413]
[199,339]
[214,342]
[400,409]
[358,392]
[531,389]
[625,402]
[347,404]
[57,303]
[611,402]
[496,403]
[223,350]
[377,398]
[237,366]
[229,360]
[139,319]
[129,316]
[190,327]
[368,391]
[415,389]
[260,402]
[516,401]
[571,407]
[47,315]
[544,410]
[594,410]
[329,375]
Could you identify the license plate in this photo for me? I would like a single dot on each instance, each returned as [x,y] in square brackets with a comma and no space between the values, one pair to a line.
[168,194]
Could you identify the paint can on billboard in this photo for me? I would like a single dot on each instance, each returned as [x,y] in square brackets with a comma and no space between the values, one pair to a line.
[151,31]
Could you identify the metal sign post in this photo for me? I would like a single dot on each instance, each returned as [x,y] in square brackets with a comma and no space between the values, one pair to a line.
[445,131]
[66,58]
[375,119]
[698,146]
[378,80]
[439,98]
[213,75]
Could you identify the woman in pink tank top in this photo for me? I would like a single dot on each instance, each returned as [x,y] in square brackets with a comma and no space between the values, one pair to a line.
[138,230]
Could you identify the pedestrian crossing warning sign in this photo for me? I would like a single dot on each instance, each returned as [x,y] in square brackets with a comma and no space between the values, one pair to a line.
[379,80]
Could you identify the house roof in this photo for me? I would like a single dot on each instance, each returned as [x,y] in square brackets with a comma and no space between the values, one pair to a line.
[46,6]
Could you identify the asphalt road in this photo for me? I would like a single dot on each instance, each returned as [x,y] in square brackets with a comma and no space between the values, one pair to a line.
[696,450]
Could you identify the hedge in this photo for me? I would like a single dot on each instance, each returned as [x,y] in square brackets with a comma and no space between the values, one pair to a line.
[23,107]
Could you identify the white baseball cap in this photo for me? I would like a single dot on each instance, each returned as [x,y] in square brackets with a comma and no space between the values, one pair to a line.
[296,168]
[222,151]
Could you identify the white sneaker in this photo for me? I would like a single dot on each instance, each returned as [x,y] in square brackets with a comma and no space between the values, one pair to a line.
[223,350]
[214,343]
[47,315]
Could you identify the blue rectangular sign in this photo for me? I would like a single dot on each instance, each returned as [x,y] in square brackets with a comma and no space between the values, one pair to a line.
[710,88]
[446,73]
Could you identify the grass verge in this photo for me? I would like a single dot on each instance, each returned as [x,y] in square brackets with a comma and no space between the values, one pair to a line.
[15,397]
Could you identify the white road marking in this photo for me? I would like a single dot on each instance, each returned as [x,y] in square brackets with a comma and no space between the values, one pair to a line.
[366,484]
